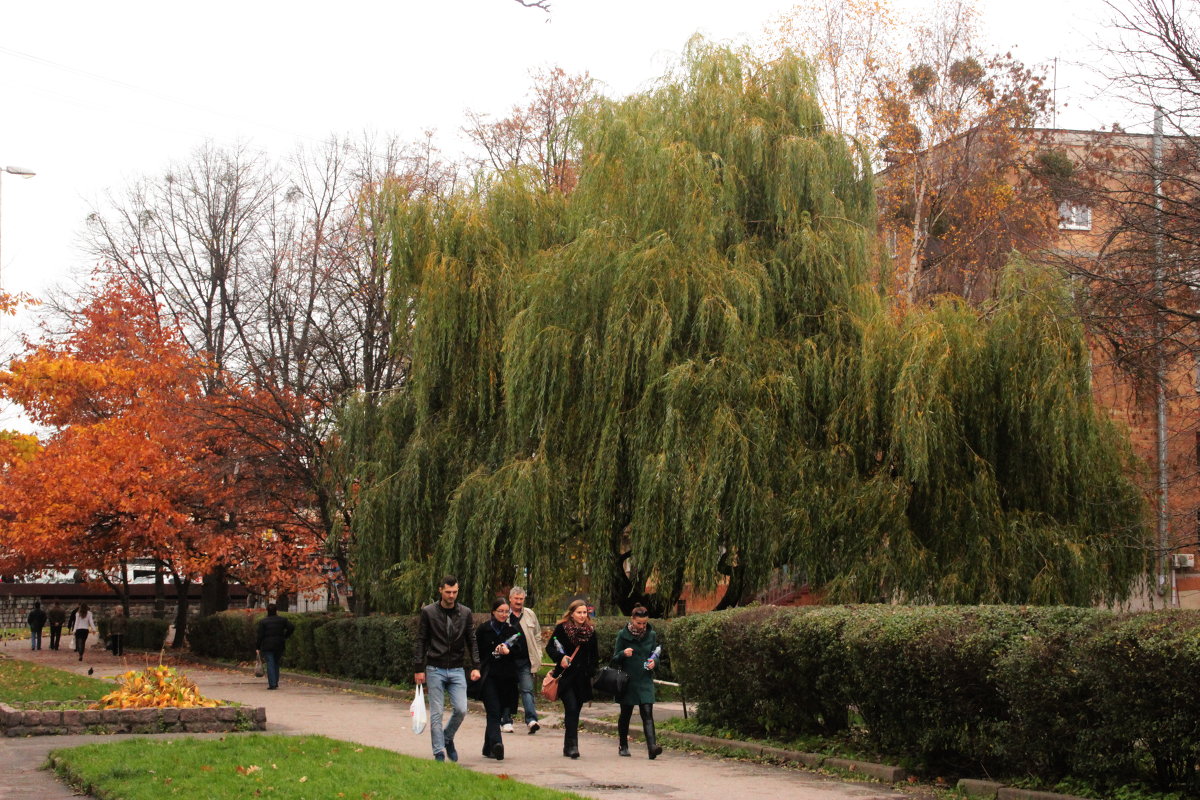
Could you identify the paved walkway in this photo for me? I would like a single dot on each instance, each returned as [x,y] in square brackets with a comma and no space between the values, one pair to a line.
[299,708]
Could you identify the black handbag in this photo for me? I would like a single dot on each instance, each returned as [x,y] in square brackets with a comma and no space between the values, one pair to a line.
[610,680]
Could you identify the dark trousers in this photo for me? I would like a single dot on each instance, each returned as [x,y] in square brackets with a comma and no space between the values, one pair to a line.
[118,644]
[271,660]
[55,635]
[491,702]
[646,710]
[571,708]
[81,641]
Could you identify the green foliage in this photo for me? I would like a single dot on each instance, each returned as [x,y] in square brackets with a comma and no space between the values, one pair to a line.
[680,374]
[1143,705]
[1043,693]
[376,648]
[228,634]
[141,633]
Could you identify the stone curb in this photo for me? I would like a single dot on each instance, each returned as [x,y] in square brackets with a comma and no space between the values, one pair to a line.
[58,722]
[991,790]
[881,772]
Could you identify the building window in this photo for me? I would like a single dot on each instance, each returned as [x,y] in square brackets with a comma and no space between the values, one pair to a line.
[1074,216]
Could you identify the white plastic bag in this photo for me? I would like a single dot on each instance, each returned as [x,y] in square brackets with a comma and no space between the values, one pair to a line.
[419,715]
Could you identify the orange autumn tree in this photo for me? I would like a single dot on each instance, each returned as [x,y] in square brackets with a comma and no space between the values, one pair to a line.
[133,467]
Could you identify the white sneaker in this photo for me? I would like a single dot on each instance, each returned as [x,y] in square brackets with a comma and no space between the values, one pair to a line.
[506,727]
[533,726]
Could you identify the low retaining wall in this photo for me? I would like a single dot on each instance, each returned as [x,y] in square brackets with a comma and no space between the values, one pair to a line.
[51,722]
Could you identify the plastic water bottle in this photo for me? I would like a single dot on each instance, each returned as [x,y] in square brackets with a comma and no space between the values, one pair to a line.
[509,642]
[653,656]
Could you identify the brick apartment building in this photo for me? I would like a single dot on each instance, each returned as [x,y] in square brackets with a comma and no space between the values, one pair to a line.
[1101,175]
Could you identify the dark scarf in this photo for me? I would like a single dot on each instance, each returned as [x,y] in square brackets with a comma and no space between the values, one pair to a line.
[637,636]
[578,634]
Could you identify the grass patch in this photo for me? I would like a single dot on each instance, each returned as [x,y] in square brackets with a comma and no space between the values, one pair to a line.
[280,767]
[25,682]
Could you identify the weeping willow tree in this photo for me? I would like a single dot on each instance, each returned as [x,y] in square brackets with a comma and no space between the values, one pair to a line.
[679,374]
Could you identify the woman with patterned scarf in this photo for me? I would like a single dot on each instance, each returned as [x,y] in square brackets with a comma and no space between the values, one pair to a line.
[573,646]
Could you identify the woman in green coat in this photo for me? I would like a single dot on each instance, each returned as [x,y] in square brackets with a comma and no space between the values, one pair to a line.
[637,653]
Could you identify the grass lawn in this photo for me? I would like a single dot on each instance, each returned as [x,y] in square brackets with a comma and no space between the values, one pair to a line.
[23,682]
[279,767]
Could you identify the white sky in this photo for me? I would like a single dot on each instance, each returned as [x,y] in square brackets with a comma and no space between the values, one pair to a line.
[93,94]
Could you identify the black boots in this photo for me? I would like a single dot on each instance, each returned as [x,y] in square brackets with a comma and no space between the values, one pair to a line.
[623,732]
[652,747]
[571,746]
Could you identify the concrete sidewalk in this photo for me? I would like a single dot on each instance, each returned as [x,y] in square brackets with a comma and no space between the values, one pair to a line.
[303,708]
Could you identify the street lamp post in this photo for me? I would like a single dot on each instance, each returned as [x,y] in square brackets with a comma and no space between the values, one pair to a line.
[11,170]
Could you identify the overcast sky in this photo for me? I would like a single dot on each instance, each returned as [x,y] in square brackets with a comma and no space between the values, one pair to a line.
[93,94]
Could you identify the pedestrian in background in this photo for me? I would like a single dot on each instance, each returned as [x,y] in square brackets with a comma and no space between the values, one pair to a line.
[523,617]
[118,624]
[574,645]
[636,653]
[82,625]
[36,621]
[272,635]
[57,617]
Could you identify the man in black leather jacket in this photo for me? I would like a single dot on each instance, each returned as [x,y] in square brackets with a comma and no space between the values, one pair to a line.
[445,641]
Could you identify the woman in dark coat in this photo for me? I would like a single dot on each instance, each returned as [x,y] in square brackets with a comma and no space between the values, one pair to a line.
[573,631]
[637,652]
[501,648]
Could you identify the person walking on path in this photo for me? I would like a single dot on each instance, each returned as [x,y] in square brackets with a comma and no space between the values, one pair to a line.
[82,625]
[37,621]
[118,624]
[57,617]
[636,652]
[272,635]
[445,641]
[574,645]
[502,648]
[523,617]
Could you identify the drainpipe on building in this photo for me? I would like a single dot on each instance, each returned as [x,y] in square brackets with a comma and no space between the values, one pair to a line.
[1160,377]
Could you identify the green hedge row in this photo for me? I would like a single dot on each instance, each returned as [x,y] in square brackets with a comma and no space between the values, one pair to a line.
[996,690]
[377,648]
[141,633]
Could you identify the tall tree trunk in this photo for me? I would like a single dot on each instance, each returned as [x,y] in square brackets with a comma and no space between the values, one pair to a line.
[214,592]
[160,591]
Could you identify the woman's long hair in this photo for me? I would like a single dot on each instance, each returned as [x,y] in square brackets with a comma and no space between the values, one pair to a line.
[571,610]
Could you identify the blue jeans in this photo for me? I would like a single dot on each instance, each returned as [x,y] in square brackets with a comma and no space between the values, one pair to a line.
[271,659]
[525,690]
[35,639]
[440,681]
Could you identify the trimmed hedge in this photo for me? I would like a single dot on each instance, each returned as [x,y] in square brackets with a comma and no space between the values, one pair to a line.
[998,690]
[141,633]
[375,648]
